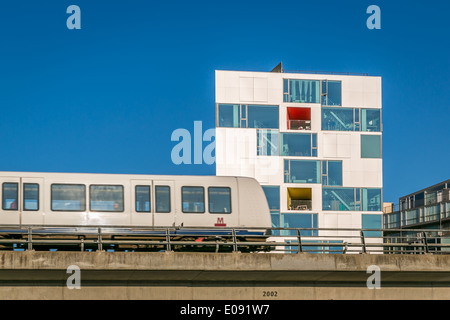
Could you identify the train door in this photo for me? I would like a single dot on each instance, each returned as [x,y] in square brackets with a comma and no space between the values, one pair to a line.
[22,200]
[164,209]
[10,200]
[32,201]
[141,203]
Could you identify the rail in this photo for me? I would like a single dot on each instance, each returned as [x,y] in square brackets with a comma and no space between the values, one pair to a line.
[223,239]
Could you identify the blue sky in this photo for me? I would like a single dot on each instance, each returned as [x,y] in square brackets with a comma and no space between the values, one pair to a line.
[107,98]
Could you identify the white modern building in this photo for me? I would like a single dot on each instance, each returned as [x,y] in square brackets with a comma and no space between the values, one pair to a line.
[312,140]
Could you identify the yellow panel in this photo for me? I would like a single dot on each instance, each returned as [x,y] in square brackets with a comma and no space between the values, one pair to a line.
[299,193]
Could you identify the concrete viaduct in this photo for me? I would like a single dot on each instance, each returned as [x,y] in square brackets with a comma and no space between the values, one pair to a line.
[223,276]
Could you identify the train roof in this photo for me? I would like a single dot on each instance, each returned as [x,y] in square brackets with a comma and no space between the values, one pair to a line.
[111,175]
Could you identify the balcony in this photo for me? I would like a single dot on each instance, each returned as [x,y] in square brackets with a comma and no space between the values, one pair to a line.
[298,118]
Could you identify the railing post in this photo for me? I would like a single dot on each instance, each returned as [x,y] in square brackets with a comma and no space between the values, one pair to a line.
[168,246]
[99,240]
[299,239]
[363,242]
[235,246]
[424,236]
[30,239]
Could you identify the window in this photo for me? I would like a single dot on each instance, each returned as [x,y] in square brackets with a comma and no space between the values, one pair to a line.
[68,197]
[332,173]
[340,199]
[303,91]
[268,142]
[162,199]
[273,197]
[370,120]
[247,116]
[331,93]
[371,199]
[351,199]
[10,196]
[228,115]
[329,173]
[298,144]
[337,119]
[193,199]
[106,198]
[370,146]
[31,196]
[219,199]
[263,117]
[142,198]
[372,221]
[302,171]
[299,220]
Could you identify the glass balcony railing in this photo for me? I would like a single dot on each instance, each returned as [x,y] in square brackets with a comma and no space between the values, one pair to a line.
[300,124]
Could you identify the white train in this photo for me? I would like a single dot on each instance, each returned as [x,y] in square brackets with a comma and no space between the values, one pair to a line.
[72,199]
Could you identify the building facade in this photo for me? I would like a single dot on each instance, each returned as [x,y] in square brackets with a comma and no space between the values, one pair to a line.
[313,141]
[428,208]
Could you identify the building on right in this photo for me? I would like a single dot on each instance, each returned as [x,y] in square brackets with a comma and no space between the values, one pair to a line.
[428,208]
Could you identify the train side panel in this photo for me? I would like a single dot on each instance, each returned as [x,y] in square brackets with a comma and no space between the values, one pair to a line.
[254,210]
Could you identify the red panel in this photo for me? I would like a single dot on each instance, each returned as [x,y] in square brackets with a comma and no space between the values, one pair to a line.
[299,113]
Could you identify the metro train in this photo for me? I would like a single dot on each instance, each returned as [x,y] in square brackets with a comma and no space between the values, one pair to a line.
[77,200]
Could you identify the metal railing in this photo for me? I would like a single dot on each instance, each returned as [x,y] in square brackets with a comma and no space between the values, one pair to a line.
[223,239]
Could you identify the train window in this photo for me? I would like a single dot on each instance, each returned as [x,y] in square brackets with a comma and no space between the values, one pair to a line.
[31,196]
[162,199]
[142,198]
[68,197]
[219,199]
[193,199]
[10,193]
[106,198]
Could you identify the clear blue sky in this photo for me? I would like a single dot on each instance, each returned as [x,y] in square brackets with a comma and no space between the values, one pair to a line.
[107,98]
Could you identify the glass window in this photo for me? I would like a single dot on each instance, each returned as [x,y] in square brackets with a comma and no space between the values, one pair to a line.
[193,199]
[331,93]
[370,120]
[162,199]
[304,91]
[268,142]
[275,218]
[296,144]
[337,119]
[370,146]
[10,196]
[219,199]
[298,220]
[260,116]
[228,115]
[334,173]
[142,198]
[273,196]
[338,199]
[303,171]
[372,221]
[68,197]
[371,199]
[31,196]
[106,198]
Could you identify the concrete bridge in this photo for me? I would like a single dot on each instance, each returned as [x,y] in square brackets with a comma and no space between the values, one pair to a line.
[224,276]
